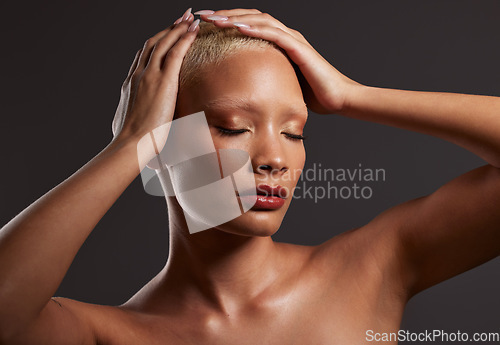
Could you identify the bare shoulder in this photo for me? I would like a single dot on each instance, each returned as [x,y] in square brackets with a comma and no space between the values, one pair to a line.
[354,279]
[421,242]
[372,251]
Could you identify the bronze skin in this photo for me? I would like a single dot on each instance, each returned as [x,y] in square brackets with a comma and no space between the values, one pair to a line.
[267,121]
[233,284]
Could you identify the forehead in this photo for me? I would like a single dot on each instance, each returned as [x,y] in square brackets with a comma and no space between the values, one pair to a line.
[248,79]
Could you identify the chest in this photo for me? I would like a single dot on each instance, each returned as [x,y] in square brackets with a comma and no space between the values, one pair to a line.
[313,316]
[318,308]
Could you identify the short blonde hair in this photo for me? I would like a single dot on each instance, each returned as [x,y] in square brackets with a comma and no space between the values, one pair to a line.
[212,45]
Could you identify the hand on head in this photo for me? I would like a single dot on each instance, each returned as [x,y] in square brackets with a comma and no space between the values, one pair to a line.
[325,89]
[149,92]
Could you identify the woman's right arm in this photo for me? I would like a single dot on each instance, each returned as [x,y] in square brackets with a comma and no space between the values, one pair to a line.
[39,244]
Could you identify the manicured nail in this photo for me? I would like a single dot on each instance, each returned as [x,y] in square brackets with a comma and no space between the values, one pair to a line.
[186,14]
[241,25]
[178,21]
[217,17]
[193,26]
[200,12]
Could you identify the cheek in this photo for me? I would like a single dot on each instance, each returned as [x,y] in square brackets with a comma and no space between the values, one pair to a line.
[297,157]
[228,142]
[296,160]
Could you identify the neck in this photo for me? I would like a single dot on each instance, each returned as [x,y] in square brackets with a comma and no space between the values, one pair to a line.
[222,270]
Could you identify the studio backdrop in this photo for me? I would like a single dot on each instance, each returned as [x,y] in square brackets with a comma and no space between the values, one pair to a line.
[63,63]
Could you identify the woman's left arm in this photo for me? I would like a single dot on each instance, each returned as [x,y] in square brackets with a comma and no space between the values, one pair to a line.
[470,121]
[437,236]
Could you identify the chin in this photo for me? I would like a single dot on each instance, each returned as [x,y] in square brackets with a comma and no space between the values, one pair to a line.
[255,223]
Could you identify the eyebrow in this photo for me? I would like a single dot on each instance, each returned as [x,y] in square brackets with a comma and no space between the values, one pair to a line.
[243,104]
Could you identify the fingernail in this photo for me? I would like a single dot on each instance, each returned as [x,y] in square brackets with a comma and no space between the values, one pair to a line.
[217,17]
[186,14]
[178,21]
[200,12]
[193,26]
[241,25]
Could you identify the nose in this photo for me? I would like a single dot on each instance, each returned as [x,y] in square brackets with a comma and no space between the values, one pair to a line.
[268,169]
[269,157]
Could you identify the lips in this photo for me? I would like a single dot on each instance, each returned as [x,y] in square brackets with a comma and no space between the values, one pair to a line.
[268,197]
[277,191]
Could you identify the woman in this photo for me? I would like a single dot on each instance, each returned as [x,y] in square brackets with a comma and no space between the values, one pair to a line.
[232,284]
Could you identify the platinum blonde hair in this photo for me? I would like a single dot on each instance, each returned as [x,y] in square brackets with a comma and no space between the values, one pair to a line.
[212,45]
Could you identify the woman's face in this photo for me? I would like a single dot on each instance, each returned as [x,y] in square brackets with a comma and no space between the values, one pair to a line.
[253,102]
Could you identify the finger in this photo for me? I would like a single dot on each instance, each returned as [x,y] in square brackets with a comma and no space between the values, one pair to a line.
[310,64]
[134,64]
[251,19]
[224,14]
[297,51]
[148,48]
[185,16]
[255,19]
[174,57]
[166,43]
[236,12]
[151,42]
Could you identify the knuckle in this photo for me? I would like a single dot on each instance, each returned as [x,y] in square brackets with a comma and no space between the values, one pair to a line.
[181,26]
[149,43]
[296,32]
[173,54]
[135,79]
[153,51]
[277,30]
[161,43]
[125,84]
[148,77]
[254,10]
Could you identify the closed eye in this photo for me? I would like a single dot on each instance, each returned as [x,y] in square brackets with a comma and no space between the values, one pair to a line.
[294,136]
[228,132]
[225,131]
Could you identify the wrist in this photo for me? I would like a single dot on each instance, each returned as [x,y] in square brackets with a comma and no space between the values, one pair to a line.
[122,142]
[141,147]
[352,90]
[128,146]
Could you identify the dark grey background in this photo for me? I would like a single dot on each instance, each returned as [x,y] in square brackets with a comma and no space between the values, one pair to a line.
[62,67]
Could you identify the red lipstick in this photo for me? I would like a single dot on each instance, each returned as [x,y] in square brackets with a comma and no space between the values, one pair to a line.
[269,198]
